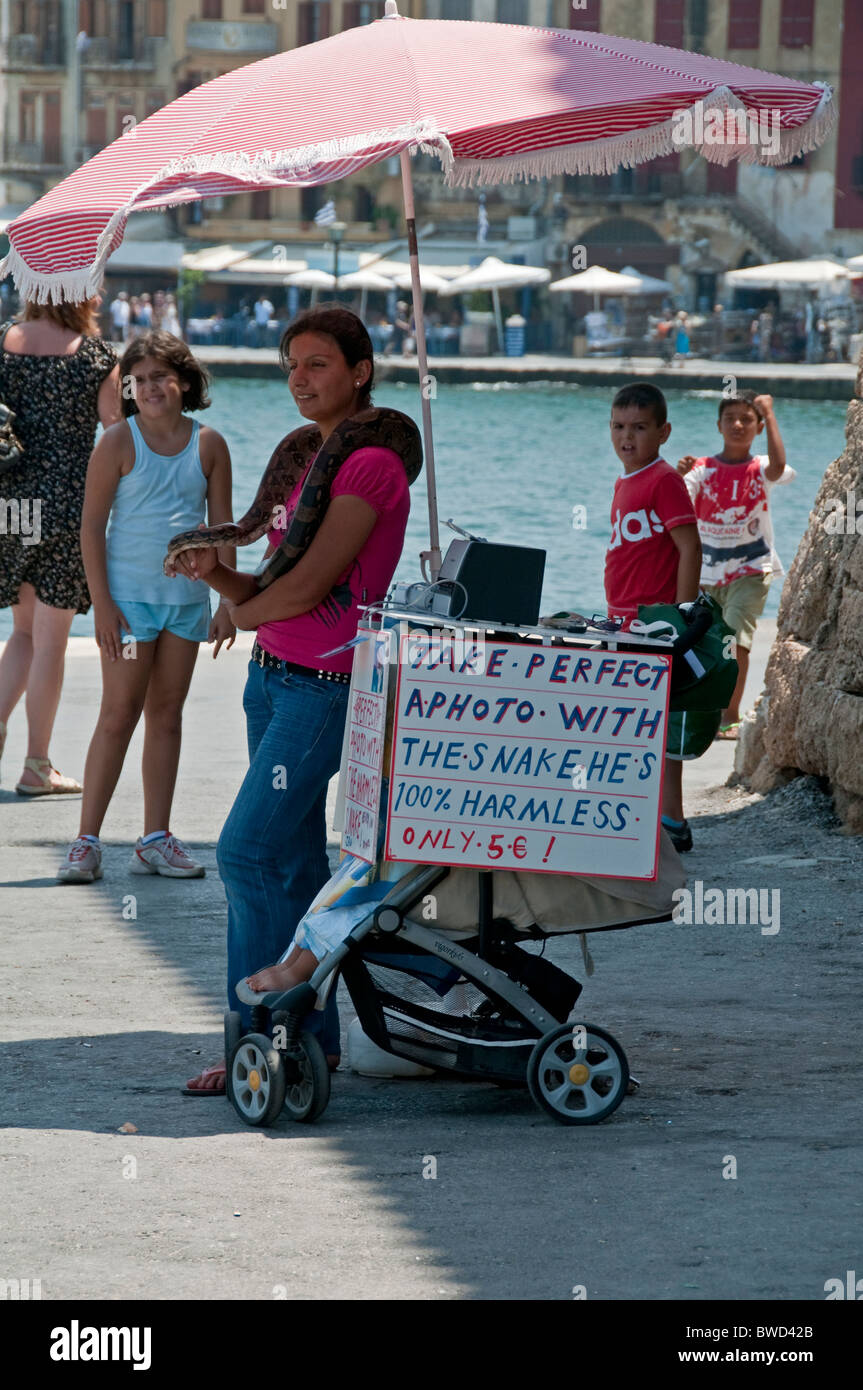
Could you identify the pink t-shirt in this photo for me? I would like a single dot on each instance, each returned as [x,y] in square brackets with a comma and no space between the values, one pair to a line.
[378,477]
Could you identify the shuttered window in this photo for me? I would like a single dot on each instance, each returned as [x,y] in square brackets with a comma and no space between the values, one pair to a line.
[744,23]
[797,23]
[668,22]
[585,14]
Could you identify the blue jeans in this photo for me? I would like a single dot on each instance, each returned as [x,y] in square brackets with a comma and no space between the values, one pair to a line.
[272,852]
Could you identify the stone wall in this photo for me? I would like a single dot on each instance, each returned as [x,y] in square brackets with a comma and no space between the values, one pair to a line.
[810,717]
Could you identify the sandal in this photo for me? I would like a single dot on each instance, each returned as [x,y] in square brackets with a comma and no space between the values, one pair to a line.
[218,1069]
[728,732]
[43,768]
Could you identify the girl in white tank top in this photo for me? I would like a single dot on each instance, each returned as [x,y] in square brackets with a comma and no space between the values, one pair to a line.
[150,477]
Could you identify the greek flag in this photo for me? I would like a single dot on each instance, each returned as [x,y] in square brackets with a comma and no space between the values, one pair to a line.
[326,215]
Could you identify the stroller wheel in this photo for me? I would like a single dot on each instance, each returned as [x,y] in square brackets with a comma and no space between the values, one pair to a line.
[307,1091]
[233,1031]
[256,1080]
[578,1074]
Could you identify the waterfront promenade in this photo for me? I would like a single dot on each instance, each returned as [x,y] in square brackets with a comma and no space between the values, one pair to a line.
[797,380]
[113,996]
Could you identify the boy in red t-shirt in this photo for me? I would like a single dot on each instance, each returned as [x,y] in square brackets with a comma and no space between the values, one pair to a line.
[731,495]
[655,551]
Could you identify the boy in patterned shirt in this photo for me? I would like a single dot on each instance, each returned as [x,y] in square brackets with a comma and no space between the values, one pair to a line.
[730,492]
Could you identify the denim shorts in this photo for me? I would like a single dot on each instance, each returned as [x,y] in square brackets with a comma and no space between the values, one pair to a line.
[189,620]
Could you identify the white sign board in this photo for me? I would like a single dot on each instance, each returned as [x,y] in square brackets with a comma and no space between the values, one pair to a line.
[364,739]
[540,758]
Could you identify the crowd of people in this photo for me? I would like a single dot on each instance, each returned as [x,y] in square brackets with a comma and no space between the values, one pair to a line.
[111,511]
[136,314]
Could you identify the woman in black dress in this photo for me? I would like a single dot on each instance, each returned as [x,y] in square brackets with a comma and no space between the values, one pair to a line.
[60,379]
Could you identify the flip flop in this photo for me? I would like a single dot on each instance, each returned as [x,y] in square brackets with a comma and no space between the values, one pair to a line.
[206,1091]
[728,732]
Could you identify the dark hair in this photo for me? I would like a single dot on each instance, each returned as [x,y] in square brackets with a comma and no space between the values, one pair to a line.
[645,396]
[347,331]
[739,398]
[178,355]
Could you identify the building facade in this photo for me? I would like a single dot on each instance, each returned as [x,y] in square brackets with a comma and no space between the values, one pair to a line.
[76,75]
[80,73]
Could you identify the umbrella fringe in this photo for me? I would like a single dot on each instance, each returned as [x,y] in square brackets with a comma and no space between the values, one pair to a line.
[70,286]
[269,164]
[608,155]
[80,284]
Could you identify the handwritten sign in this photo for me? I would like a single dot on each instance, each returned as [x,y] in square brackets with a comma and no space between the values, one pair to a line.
[364,751]
[528,758]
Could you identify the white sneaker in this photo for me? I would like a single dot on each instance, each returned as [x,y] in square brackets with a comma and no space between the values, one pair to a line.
[83,863]
[168,857]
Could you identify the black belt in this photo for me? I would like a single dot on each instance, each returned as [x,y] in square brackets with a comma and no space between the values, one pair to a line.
[275,663]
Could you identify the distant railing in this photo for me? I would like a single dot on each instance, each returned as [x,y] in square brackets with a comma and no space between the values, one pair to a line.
[104,52]
[635,184]
[35,50]
[31,153]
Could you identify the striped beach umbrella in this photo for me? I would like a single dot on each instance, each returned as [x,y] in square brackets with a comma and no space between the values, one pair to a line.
[570,102]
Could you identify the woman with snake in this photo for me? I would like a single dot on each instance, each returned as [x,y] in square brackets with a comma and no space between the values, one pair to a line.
[334,504]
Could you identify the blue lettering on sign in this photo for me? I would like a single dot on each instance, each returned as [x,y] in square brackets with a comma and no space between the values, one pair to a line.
[494,661]
[647,766]
[458,705]
[602,810]
[453,750]
[624,715]
[650,722]
[560,665]
[478,756]
[625,668]
[415,702]
[576,717]
[566,768]
[619,766]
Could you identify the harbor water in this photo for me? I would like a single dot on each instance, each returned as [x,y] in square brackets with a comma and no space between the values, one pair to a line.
[515,459]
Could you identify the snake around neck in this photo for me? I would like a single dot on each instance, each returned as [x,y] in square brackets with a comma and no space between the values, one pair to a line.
[374,427]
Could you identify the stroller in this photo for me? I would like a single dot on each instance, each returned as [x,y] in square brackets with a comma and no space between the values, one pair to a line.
[459,995]
[469,1002]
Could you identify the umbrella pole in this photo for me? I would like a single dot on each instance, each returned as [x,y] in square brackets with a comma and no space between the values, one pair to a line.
[364,295]
[498,319]
[432,555]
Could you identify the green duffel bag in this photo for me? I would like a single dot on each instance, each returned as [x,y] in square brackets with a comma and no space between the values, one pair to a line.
[704,671]
[691,732]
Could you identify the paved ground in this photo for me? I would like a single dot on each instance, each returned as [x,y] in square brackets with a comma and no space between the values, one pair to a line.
[799,380]
[746,1045]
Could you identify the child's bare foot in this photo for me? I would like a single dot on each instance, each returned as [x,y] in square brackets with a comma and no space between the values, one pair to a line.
[210,1082]
[274,977]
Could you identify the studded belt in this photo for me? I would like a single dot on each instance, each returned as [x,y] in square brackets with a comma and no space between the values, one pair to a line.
[275,663]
